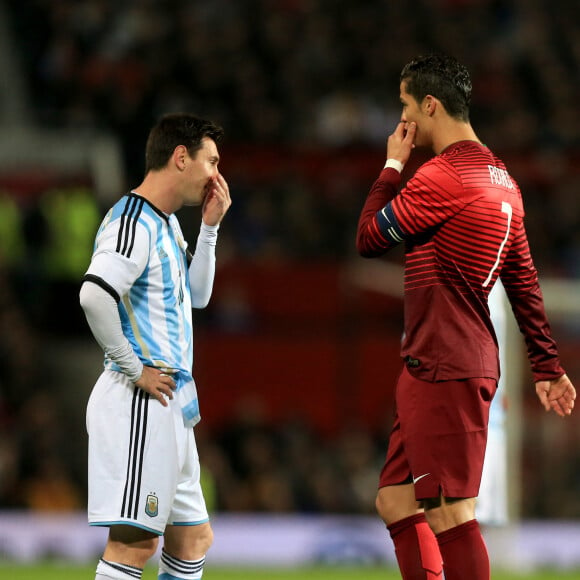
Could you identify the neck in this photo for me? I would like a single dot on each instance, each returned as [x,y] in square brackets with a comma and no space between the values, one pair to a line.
[156,189]
[453,132]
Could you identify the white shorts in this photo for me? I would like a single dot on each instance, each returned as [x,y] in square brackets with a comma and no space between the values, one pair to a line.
[491,507]
[143,463]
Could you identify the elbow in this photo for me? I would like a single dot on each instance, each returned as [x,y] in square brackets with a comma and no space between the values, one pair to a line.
[200,302]
[365,251]
[362,246]
[85,298]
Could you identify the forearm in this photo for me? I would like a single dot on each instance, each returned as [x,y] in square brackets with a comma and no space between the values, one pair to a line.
[371,241]
[533,324]
[520,280]
[102,315]
[202,266]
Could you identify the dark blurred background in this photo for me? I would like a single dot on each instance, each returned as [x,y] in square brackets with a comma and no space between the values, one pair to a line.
[297,354]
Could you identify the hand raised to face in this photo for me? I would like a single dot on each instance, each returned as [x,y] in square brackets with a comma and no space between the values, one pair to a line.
[217,201]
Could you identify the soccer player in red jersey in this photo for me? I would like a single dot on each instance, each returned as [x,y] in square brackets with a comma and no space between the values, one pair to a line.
[460,217]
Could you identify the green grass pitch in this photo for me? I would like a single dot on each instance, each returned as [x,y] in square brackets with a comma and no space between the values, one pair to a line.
[68,572]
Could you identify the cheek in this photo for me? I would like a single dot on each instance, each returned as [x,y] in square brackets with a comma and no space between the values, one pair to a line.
[412,115]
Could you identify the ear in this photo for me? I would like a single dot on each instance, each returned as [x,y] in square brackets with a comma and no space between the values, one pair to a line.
[429,105]
[179,157]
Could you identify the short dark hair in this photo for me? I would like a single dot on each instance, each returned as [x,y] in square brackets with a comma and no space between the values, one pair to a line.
[442,77]
[177,129]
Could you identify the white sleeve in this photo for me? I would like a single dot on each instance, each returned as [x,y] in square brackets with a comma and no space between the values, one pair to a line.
[202,266]
[117,267]
[105,323]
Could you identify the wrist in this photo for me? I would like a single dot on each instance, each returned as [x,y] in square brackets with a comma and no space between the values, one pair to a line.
[394,164]
[134,370]
[209,228]
[208,233]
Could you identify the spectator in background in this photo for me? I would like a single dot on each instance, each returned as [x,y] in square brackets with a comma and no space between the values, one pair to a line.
[115,66]
[34,469]
[106,63]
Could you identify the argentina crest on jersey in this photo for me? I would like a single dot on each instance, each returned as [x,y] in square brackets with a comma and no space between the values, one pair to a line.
[152,505]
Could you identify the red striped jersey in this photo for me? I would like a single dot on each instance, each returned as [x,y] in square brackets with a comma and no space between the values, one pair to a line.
[461,218]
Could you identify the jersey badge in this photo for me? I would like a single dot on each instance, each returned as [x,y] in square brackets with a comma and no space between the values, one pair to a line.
[152,505]
[411,362]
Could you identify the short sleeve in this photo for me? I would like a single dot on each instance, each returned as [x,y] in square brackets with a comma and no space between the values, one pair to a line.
[119,262]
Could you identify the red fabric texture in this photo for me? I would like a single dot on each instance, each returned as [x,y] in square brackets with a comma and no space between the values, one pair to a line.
[416,548]
[464,552]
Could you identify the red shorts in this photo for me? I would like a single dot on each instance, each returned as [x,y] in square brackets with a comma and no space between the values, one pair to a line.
[439,436]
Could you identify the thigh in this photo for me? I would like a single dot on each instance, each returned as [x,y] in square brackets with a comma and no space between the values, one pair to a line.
[444,432]
[396,469]
[133,463]
[491,507]
[188,506]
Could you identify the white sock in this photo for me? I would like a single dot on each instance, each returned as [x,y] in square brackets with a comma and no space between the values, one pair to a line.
[114,571]
[171,568]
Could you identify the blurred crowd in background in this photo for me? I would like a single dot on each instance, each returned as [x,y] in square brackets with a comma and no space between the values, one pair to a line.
[308,84]
[296,74]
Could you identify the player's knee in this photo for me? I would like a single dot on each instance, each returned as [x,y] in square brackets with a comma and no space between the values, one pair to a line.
[386,507]
[150,548]
[449,512]
[200,543]
[205,539]
[130,544]
[395,502]
[188,543]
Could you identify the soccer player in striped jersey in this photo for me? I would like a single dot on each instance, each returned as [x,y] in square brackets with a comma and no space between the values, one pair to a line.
[460,217]
[138,294]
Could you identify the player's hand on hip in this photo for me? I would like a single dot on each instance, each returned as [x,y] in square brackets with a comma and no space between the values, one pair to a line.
[217,201]
[158,384]
[401,142]
[557,395]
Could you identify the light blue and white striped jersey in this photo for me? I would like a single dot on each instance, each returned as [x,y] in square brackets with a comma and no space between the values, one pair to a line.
[140,257]
[497,302]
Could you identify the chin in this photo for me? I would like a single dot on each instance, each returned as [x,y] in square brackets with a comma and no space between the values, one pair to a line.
[195,200]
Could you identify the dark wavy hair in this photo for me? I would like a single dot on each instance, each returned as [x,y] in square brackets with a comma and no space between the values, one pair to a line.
[177,129]
[444,78]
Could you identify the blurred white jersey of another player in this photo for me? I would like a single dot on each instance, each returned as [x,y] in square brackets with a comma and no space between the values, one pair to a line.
[492,506]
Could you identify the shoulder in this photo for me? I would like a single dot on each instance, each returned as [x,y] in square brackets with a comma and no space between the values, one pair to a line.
[477,167]
[437,175]
[469,157]
[129,227]
[134,211]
